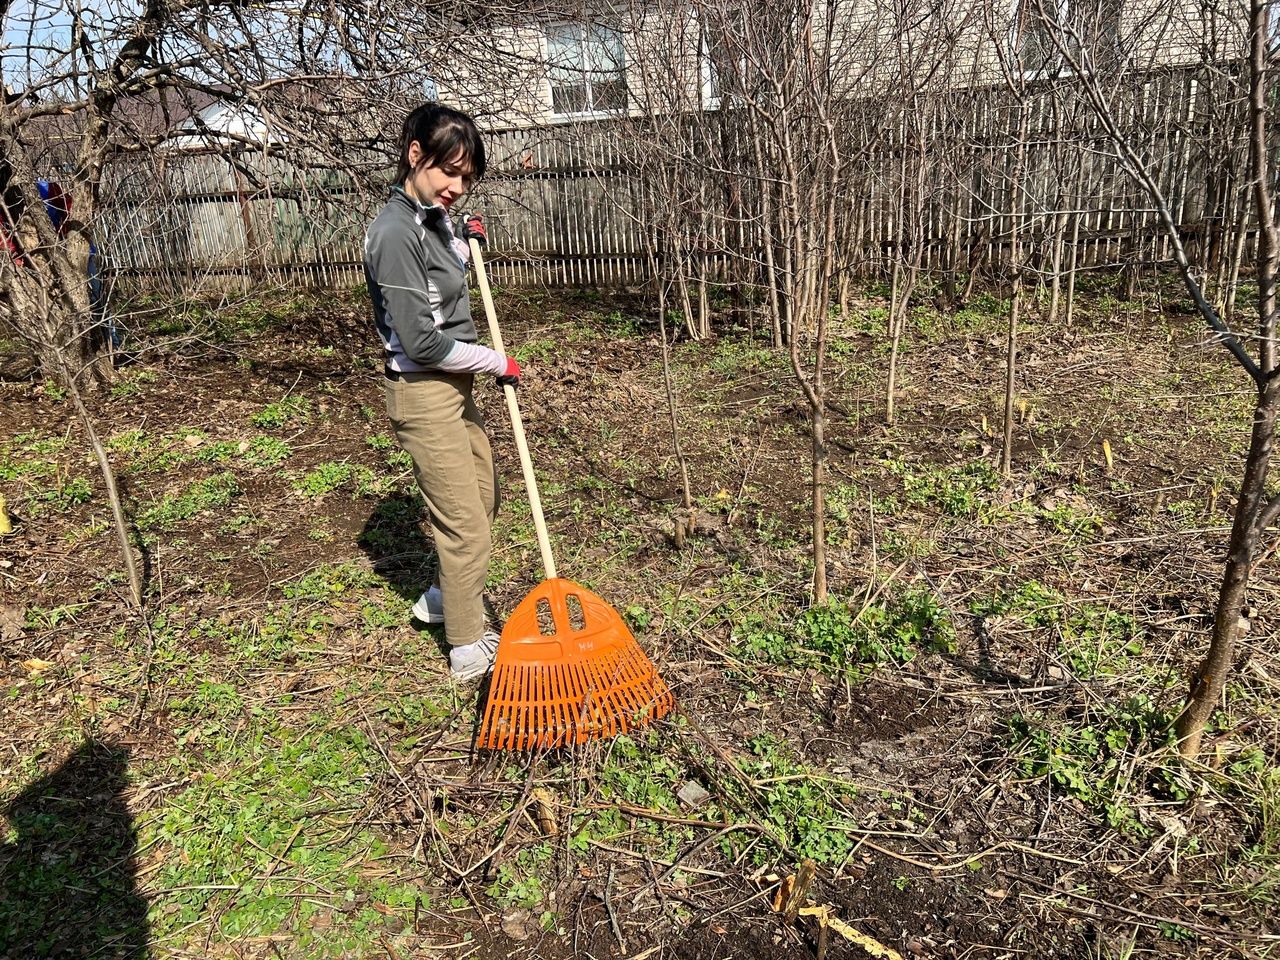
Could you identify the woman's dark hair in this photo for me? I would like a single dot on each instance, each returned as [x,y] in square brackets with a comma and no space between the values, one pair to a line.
[442,133]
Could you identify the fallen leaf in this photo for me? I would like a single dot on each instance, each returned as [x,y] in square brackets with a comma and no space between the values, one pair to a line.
[11,621]
[544,811]
[35,666]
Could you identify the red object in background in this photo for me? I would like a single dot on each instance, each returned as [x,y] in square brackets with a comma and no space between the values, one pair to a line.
[57,203]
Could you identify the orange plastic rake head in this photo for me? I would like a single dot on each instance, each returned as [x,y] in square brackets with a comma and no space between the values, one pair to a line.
[568,670]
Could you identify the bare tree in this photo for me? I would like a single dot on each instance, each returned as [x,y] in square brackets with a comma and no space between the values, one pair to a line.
[1254,511]
[90,100]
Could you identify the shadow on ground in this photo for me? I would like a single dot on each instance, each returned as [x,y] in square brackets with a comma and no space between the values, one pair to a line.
[396,546]
[67,870]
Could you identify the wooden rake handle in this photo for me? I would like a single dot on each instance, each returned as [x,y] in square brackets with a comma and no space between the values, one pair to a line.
[517,422]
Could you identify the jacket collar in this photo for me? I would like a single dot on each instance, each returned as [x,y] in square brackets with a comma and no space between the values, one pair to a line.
[433,212]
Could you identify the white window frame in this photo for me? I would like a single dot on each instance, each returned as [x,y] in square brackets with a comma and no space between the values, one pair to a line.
[592,111]
[1057,66]
[710,86]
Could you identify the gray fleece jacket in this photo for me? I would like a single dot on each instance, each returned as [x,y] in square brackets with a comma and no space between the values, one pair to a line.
[416,270]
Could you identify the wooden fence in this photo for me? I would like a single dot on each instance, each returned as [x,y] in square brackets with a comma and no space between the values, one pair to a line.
[561,201]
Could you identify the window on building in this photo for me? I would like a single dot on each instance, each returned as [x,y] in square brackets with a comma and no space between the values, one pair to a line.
[1035,23]
[587,69]
[1090,29]
[709,73]
[722,66]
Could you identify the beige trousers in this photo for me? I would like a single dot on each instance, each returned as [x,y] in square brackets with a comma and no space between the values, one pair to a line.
[438,424]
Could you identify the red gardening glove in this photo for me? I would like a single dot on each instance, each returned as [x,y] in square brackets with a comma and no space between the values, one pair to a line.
[512,377]
[473,228]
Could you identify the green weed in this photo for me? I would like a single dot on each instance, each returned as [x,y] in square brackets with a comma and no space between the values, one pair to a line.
[292,409]
[329,582]
[809,812]
[337,474]
[324,479]
[957,491]
[239,840]
[737,356]
[519,882]
[1095,640]
[265,452]
[1088,757]
[68,494]
[845,637]
[130,385]
[211,493]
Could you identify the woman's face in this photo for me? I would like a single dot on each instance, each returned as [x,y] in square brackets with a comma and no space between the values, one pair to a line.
[442,184]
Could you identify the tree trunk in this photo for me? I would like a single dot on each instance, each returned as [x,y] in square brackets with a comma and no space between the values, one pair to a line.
[819,453]
[1211,676]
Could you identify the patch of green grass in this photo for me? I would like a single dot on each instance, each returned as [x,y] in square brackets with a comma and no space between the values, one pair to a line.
[324,479]
[811,813]
[1090,757]
[69,493]
[843,637]
[1076,523]
[617,324]
[67,854]
[132,384]
[958,491]
[33,442]
[211,493]
[276,817]
[328,582]
[982,313]
[210,700]
[519,881]
[23,457]
[49,618]
[131,443]
[1095,641]
[532,350]
[334,475]
[292,409]
[732,356]
[265,452]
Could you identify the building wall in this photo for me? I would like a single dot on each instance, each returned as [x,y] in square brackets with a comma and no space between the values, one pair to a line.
[870,48]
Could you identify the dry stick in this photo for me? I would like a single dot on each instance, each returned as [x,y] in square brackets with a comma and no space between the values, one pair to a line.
[746,474]
[516,812]
[608,906]
[1015,305]
[1137,169]
[1216,933]
[109,479]
[685,524]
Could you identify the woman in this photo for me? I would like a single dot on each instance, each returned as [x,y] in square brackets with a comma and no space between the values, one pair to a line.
[416,269]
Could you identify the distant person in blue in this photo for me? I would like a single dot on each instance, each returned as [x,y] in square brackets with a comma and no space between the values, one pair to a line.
[58,205]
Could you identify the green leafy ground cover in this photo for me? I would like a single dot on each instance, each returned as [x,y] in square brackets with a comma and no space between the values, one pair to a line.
[970,740]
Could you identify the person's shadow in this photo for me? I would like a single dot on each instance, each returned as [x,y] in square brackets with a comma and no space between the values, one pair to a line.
[67,869]
[396,546]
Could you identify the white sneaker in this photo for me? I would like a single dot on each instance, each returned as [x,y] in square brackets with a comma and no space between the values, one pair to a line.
[430,607]
[474,659]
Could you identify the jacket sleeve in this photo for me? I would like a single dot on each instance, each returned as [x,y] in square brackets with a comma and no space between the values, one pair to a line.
[400,272]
